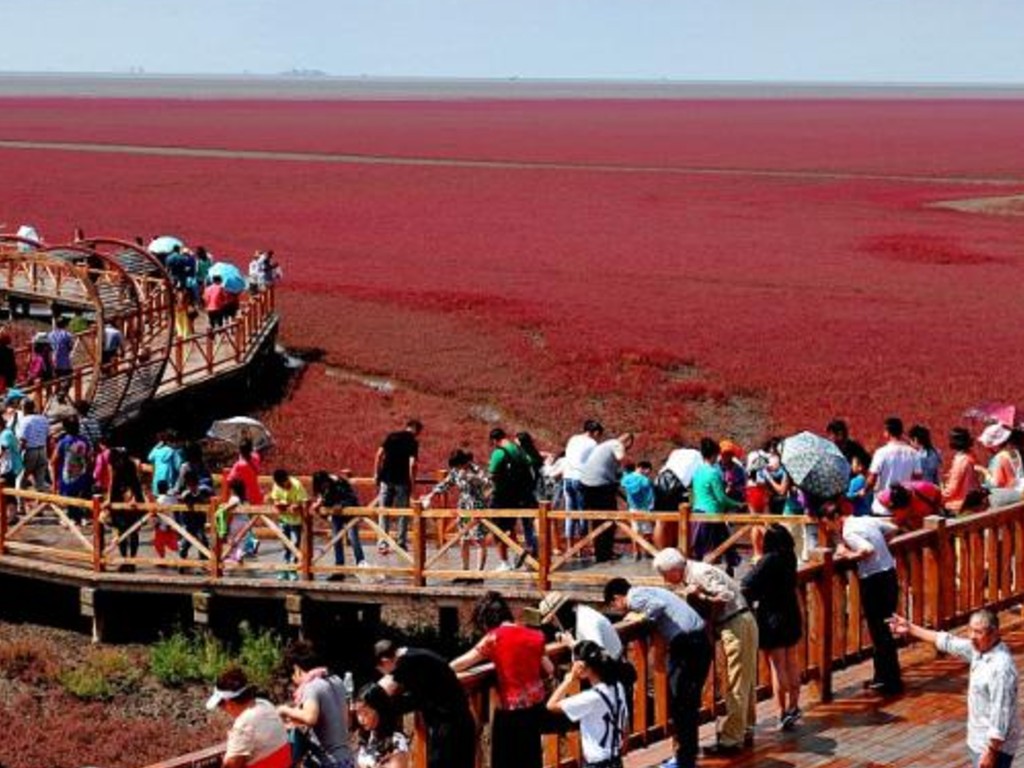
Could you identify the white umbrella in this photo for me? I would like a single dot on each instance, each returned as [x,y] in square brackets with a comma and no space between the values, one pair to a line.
[236,429]
[163,245]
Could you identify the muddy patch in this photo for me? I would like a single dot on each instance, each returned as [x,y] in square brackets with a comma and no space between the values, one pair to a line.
[1003,205]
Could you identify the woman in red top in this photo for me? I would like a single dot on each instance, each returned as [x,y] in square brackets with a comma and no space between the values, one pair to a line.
[520,664]
[247,469]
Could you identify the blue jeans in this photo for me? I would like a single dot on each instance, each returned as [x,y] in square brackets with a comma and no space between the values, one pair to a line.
[337,523]
[292,532]
[396,496]
[573,490]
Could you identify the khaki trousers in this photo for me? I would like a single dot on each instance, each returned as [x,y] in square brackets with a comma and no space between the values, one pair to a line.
[739,641]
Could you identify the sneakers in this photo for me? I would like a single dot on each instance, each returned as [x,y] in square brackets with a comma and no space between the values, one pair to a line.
[670,763]
[502,567]
[789,719]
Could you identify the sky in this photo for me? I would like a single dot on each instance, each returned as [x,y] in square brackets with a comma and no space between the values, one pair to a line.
[863,41]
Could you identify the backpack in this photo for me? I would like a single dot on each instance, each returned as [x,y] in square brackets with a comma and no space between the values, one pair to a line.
[516,480]
[669,491]
[341,494]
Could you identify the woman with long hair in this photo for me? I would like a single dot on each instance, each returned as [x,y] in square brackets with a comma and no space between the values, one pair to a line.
[770,586]
[381,741]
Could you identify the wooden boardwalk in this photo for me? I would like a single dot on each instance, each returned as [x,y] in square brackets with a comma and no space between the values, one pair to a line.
[114,284]
[923,728]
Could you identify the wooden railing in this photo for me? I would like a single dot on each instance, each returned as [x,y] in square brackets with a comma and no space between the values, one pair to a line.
[947,570]
[217,349]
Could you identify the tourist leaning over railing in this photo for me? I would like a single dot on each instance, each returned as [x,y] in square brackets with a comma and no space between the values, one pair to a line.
[600,481]
[865,541]
[473,486]
[520,666]
[600,710]
[426,684]
[125,488]
[689,655]
[729,614]
[330,493]
[289,499]
[318,714]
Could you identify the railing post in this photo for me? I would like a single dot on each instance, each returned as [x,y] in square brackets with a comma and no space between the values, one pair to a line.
[216,553]
[239,339]
[209,349]
[179,359]
[684,528]
[945,563]
[306,549]
[543,547]
[419,552]
[97,533]
[933,567]
[820,621]
[3,521]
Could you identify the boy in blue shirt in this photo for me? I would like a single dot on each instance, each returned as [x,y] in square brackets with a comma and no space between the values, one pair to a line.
[639,491]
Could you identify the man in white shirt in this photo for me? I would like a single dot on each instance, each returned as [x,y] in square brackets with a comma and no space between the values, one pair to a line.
[562,611]
[683,462]
[865,540]
[895,463]
[33,433]
[993,725]
[577,450]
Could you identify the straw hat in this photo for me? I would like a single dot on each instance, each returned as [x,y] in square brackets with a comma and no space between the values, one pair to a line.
[550,605]
[728,446]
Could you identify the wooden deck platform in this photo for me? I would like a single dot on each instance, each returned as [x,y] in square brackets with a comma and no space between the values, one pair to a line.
[923,728]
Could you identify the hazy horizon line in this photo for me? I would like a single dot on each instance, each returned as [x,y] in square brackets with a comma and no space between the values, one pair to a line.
[306,84]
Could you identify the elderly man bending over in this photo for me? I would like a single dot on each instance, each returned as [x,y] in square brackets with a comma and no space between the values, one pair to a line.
[735,624]
[993,727]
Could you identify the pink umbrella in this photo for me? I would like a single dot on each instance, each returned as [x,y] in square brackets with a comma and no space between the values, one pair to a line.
[1000,413]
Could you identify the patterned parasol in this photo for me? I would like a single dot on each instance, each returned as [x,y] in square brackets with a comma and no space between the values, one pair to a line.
[815,464]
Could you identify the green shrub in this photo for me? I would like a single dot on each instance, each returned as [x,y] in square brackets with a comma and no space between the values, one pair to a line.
[211,657]
[182,658]
[260,656]
[172,660]
[118,667]
[87,683]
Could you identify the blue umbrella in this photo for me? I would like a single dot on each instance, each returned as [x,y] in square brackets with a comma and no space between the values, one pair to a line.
[230,276]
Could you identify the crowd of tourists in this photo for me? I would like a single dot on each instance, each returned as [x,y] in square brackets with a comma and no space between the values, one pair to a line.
[698,605]
[750,608]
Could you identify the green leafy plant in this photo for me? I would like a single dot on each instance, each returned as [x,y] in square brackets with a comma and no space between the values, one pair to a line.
[259,656]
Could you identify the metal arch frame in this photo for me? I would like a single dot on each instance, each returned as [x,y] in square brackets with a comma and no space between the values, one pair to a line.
[81,273]
[165,349]
[153,260]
